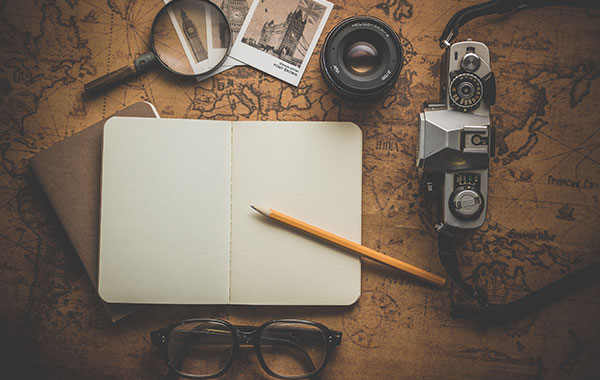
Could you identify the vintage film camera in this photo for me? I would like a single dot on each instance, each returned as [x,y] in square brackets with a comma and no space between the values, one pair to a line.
[456,139]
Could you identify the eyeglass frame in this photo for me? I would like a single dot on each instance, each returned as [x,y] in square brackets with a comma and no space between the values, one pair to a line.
[159,339]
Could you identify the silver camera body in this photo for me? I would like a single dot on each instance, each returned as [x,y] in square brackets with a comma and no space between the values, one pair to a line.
[456,139]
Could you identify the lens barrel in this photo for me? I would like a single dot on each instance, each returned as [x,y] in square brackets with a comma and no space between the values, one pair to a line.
[361,58]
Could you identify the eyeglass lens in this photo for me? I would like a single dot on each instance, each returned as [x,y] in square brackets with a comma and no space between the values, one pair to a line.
[205,348]
[293,349]
[200,349]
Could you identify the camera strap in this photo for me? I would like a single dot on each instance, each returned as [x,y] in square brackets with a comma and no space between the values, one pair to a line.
[498,7]
[500,313]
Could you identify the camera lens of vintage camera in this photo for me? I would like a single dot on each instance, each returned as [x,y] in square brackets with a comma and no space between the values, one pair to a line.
[361,58]
[466,92]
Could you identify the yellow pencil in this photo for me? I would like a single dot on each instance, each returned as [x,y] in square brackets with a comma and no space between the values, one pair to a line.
[352,246]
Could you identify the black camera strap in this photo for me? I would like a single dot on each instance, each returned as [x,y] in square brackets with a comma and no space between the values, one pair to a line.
[498,7]
[501,313]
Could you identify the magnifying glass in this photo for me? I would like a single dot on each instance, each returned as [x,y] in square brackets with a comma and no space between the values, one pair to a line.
[188,38]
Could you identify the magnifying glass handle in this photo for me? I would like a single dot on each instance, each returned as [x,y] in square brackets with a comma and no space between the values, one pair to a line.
[125,73]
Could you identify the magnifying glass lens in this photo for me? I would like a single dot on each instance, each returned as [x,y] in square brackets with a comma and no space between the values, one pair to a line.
[191,37]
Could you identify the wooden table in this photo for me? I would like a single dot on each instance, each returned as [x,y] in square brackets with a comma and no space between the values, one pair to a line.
[542,221]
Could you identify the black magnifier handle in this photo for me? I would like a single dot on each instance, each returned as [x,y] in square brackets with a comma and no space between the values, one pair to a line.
[125,73]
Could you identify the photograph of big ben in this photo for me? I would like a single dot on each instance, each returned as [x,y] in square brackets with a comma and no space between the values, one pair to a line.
[192,21]
[235,12]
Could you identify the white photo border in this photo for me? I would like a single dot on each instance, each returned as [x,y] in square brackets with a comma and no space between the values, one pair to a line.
[270,64]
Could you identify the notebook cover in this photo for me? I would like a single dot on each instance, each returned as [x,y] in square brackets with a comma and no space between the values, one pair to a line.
[69,173]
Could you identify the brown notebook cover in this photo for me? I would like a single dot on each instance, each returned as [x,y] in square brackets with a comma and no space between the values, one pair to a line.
[69,173]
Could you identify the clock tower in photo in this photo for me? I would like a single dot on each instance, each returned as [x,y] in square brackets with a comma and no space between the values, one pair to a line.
[191,33]
[235,11]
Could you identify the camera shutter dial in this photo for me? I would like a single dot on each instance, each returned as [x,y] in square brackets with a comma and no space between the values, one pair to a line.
[466,203]
[466,92]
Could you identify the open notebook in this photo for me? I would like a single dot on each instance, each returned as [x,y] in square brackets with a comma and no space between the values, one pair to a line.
[176,222]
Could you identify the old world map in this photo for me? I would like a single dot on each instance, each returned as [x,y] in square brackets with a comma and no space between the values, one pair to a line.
[542,222]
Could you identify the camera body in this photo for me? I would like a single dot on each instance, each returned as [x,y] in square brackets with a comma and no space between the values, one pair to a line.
[456,139]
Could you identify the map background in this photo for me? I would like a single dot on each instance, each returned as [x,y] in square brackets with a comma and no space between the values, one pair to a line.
[540,225]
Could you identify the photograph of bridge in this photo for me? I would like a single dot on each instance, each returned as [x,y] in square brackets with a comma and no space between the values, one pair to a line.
[284,29]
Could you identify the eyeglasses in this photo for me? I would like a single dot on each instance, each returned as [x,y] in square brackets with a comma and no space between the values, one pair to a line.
[286,348]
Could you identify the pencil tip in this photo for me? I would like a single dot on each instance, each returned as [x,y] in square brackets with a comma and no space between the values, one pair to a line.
[261,210]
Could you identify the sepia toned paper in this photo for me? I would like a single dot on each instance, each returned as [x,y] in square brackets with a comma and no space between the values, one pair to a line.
[279,37]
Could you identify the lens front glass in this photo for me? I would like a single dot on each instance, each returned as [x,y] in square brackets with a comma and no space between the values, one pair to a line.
[466,90]
[200,348]
[191,37]
[362,58]
[293,349]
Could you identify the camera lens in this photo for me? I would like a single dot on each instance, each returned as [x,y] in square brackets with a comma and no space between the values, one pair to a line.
[361,58]
[465,90]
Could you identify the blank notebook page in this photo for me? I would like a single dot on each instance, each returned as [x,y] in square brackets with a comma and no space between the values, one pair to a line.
[165,227]
[311,171]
